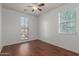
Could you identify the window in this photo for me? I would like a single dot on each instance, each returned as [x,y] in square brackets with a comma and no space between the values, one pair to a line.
[24,27]
[67,21]
[24,22]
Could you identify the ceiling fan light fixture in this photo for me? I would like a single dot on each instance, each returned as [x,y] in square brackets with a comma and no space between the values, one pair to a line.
[34,7]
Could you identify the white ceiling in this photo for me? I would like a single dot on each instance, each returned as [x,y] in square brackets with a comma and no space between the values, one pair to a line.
[21,6]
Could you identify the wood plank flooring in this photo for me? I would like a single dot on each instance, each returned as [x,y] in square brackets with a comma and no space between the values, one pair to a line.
[36,48]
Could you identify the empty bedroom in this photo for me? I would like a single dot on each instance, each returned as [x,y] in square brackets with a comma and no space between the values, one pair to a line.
[39,29]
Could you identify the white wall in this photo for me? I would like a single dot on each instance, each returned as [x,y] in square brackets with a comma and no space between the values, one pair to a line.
[48,29]
[11,27]
[0,27]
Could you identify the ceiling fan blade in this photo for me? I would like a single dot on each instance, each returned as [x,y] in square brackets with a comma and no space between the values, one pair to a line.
[39,9]
[41,4]
[32,10]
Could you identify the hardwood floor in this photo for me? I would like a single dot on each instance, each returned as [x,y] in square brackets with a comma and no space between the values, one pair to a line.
[36,48]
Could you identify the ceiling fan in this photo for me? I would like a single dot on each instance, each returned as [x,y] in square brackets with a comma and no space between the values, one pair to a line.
[36,6]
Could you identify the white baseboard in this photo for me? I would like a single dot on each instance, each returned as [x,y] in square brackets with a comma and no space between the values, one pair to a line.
[18,42]
[60,46]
